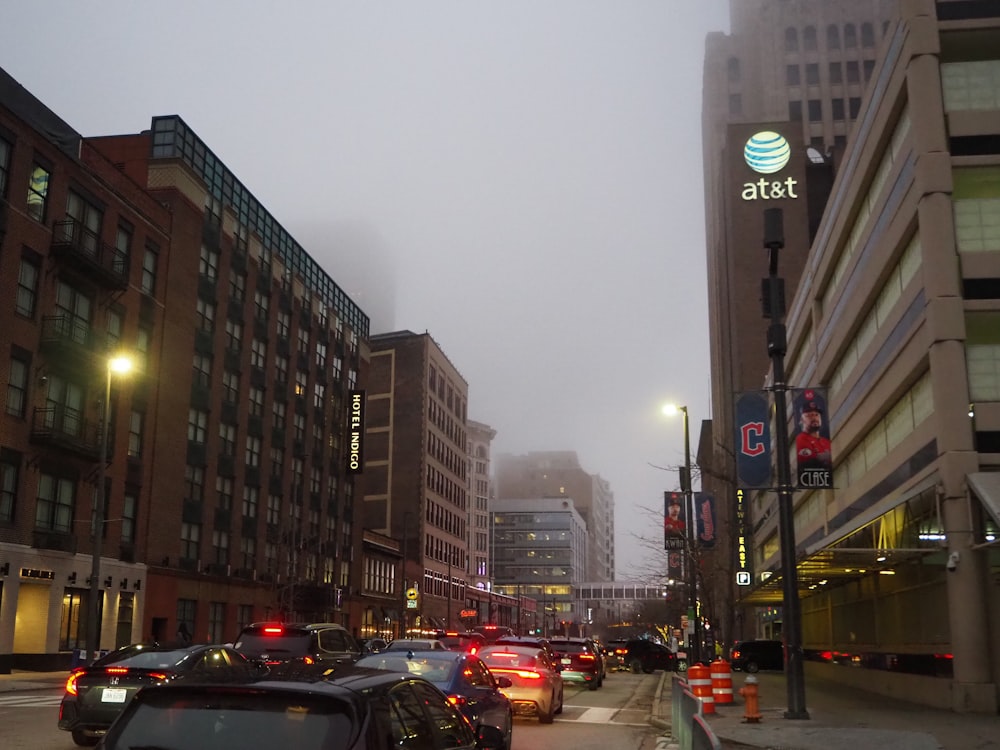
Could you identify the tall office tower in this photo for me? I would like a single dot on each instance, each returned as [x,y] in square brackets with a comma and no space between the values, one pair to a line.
[559,474]
[893,317]
[416,465]
[797,69]
[480,496]
[540,552]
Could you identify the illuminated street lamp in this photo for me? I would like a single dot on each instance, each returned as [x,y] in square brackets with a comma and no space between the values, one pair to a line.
[692,534]
[117,365]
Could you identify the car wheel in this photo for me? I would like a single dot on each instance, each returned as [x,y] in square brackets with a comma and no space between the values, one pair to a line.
[635,666]
[751,667]
[549,716]
[593,685]
[510,731]
[84,740]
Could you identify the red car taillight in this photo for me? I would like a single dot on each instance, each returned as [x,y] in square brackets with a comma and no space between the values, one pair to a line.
[456,700]
[585,657]
[71,681]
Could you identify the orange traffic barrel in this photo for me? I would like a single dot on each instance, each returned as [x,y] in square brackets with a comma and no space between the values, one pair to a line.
[700,680]
[722,681]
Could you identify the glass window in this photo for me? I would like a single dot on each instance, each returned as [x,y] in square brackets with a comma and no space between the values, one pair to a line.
[262,305]
[791,39]
[809,38]
[190,540]
[836,73]
[5,152]
[149,262]
[256,401]
[983,355]
[253,451]
[208,266]
[128,517]
[38,192]
[230,386]
[136,419]
[17,387]
[838,109]
[850,36]
[220,546]
[9,470]
[224,489]
[971,85]
[284,323]
[853,72]
[206,316]
[87,219]
[815,110]
[237,285]
[234,335]
[867,35]
[54,507]
[250,496]
[227,439]
[197,424]
[733,69]
[194,482]
[258,354]
[976,198]
[795,111]
[832,37]
[792,75]
[812,74]
[202,370]
[27,288]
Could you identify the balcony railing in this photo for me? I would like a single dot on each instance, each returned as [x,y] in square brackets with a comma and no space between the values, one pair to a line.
[80,247]
[65,428]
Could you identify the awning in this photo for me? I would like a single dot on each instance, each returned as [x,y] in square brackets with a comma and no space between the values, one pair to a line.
[823,563]
[986,485]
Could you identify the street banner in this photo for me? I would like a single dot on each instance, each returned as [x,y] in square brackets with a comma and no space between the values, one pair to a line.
[674,521]
[704,504]
[753,439]
[814,462]
[675,565]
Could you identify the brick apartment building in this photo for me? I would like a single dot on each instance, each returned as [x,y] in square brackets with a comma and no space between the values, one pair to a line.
[229,496]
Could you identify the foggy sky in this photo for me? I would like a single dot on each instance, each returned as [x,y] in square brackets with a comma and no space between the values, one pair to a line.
[520,178]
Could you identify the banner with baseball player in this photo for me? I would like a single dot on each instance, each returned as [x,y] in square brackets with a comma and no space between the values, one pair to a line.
[811,437]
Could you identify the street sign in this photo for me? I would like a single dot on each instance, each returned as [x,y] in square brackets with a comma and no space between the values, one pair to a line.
[742,577]
[411,604]
[412,594]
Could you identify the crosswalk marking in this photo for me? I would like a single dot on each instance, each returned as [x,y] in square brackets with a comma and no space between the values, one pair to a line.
[23,699]
[598,715]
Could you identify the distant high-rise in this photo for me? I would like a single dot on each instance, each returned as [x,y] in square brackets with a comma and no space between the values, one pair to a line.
[559,474]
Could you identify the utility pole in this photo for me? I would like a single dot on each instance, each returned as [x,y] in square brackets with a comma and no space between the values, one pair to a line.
[777,345]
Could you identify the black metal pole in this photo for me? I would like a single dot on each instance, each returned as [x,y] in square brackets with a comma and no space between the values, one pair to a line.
[695,656]
[777,346]
[93,608]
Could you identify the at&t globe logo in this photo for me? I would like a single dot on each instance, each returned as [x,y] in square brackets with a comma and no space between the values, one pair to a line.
[768,152]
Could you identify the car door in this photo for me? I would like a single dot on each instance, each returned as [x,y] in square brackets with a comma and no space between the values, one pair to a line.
[451,730]
[490,705]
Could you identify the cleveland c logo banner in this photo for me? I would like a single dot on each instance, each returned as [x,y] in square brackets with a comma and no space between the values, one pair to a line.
[753,439]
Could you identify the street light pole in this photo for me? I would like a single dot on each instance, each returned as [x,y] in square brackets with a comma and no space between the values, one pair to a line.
[113,365]
[774,240]
[695,657]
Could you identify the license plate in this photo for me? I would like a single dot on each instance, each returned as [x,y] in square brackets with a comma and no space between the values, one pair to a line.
[113,695]
[567,661]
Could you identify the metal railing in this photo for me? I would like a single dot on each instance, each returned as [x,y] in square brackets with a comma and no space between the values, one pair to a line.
[687,723]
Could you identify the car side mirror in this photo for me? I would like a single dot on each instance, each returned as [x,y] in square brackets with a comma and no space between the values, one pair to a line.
[503,681]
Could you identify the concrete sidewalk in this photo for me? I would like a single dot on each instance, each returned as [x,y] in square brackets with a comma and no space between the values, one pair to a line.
[840,718]
[22,680]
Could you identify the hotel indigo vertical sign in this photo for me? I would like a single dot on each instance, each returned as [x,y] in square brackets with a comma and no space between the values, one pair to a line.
[356,432]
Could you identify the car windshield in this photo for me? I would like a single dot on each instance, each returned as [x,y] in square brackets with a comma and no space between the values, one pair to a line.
[508,659]
[294,644]
[437,670]
[184,720]
[150,659]
[564,647]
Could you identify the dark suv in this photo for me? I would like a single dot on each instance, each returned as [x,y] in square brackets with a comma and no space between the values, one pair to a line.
[752,656]
[642,655]
[276,642]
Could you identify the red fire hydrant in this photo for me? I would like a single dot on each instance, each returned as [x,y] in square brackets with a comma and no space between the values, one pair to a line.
[751,704]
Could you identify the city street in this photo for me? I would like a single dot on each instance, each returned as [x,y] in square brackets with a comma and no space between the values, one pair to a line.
[616,715]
